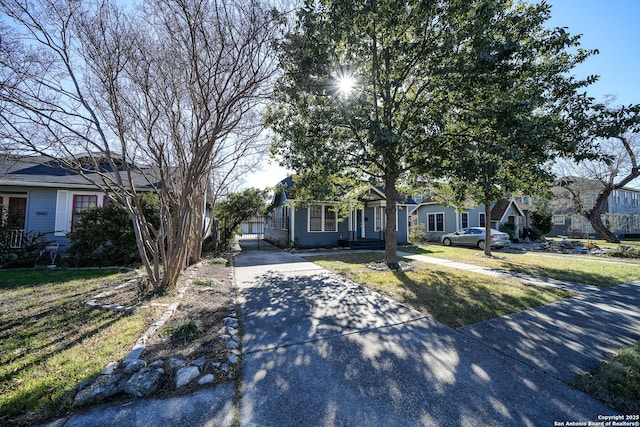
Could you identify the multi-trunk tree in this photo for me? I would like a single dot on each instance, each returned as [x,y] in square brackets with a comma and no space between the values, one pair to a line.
[166,90]
[469,90]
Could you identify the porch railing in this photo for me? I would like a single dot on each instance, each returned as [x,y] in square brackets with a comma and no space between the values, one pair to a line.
[15,238]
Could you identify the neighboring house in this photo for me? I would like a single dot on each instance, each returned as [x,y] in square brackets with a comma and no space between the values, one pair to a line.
[37,195]
[436,219]
[318,225]
[621,213]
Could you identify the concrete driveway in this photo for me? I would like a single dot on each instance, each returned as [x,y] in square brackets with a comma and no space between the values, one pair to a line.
[321,351]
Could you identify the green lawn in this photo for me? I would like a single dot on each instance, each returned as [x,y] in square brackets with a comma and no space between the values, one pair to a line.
[453,297]
[602,272]
[617,381]
[50,340]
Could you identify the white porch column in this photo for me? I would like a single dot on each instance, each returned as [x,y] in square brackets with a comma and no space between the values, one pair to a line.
[362,227]
[292,221]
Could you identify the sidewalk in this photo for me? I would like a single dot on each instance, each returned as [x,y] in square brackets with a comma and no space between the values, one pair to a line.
[564,339]
[320,350]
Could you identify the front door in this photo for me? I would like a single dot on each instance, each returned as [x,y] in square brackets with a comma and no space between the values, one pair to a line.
[359,224]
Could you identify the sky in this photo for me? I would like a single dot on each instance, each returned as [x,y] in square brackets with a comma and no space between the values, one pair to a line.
[607,25]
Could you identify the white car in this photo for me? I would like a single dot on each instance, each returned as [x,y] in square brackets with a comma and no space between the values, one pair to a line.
[475,236]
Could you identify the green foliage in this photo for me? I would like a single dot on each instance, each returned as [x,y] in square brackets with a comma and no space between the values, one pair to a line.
[509,228]
[104,236]
[625,252]
[617,381]
[541,222]
[238,207]
[23,256]
[416,233]
[516,97]
[187,330]
[206,282]
[468,89]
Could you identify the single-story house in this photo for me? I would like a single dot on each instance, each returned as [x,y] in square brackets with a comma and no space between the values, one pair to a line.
[38,195]
[318,224]
[436,219]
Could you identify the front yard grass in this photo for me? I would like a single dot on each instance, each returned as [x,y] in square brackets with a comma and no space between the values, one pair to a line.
[454,297]
[617,381]
[50,340]
[601,272]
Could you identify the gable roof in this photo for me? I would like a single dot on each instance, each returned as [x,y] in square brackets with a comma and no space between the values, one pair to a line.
[500,208]
[42,171]
[284,191]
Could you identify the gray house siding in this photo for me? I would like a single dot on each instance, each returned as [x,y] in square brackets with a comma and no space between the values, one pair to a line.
[621,214]
[449,217]
[367,222]
[41,214]
[309,239]
[276,228]
[402,233]
[454,220]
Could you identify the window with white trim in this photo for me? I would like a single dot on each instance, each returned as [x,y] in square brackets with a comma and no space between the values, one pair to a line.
[69,204]
[330,219]
[322,218]
[482,219]
[558,219]
[435,221]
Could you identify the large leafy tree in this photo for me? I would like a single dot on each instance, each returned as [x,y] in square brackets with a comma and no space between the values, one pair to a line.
[239,207]
[421,71]
[517,106]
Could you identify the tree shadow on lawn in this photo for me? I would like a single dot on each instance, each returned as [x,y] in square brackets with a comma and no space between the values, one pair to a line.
[457,300]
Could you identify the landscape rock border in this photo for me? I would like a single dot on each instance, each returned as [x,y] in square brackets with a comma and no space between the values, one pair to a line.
[140,378]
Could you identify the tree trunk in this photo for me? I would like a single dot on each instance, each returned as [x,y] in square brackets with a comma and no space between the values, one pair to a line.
[487,229]
[595,217]
[598,226]
[391,242]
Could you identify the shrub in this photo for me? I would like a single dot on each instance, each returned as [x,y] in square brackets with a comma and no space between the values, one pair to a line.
[625,252]
[416,233]
[104,236]
[186,331]
[509,228]
[26,254]
[542,221]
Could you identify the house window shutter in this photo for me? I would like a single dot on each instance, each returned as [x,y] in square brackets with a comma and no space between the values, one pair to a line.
[63,217]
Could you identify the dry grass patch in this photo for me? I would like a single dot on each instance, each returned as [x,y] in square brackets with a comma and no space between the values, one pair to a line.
[50,340]
[617,381]
[454,297]
[591,270]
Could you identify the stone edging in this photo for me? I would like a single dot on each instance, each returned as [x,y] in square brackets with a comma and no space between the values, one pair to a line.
[139,379]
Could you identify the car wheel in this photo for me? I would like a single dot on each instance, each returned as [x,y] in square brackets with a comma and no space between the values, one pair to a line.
[481,244]
[446,242]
